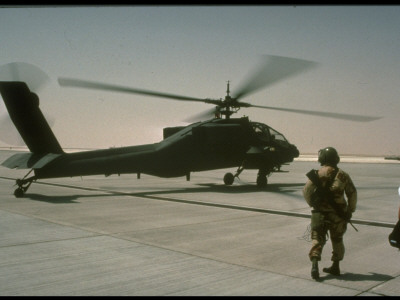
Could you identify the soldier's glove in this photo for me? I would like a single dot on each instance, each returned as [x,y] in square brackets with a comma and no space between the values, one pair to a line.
[347,215]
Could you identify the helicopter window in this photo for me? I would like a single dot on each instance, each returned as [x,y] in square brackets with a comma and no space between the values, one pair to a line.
[260,132]
[276,135]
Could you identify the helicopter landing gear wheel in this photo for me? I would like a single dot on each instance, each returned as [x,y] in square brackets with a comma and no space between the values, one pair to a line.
[228,178]
[19,192]
[262,181]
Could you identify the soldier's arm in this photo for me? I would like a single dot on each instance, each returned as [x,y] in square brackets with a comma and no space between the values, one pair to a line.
[308,190]
[351,193]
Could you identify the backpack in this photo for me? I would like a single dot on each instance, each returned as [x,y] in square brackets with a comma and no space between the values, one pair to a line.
[394,236]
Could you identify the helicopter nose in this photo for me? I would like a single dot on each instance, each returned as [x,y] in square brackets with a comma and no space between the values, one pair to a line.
[295,151]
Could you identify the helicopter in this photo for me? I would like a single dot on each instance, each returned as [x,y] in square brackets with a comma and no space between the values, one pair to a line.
[219,142]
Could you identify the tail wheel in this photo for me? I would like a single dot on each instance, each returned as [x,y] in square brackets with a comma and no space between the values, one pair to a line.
[19,193]
[23,185]
[228,178]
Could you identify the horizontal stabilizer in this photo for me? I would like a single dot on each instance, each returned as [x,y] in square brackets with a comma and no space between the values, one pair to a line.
[29,160]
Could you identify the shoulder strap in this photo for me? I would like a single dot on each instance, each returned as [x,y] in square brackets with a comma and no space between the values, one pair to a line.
[330,197]
[332,178]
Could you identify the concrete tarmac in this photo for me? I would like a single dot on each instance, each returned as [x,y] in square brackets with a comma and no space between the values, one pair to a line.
[120,235]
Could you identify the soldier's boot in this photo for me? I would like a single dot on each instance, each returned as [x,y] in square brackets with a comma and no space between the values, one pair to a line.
[334,269]
[314,269]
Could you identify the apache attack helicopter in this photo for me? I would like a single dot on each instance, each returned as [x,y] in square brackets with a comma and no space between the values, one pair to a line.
[218,143]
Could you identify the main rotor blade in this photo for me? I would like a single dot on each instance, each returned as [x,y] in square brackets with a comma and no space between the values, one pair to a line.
[273,69]
[205,115]
[69,82]
[349,117]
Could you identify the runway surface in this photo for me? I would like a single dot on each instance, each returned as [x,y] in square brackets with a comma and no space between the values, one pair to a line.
[120,235]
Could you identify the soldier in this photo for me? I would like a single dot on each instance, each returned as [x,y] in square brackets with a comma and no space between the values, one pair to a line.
[399,205]
[324,192]
[394,236]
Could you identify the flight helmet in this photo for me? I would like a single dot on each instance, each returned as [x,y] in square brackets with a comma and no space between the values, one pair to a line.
[328,156]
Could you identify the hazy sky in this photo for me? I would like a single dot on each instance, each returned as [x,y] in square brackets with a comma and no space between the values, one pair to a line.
[194,51]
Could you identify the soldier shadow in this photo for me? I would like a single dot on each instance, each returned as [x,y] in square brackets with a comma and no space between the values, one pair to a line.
[359,277]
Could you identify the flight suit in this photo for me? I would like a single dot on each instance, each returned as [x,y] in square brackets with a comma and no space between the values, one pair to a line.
[328,219]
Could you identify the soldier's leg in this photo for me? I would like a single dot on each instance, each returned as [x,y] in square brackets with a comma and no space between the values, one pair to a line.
[318,234]
[317,244]
[315,254]
[337,230]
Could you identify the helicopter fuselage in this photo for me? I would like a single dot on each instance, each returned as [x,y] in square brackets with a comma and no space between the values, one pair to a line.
[208,145]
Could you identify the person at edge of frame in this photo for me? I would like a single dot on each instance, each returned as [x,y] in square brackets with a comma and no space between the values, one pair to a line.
[394,236]
[324,192]
[399,206]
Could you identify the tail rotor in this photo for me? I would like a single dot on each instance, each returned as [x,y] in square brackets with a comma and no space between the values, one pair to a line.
[36,79]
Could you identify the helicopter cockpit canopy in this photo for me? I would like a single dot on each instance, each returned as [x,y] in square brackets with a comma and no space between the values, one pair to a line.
[266,133]
[276,135]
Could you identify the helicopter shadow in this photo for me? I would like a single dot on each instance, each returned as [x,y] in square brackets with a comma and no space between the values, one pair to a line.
[63,199]
[251,188]
[286,188]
